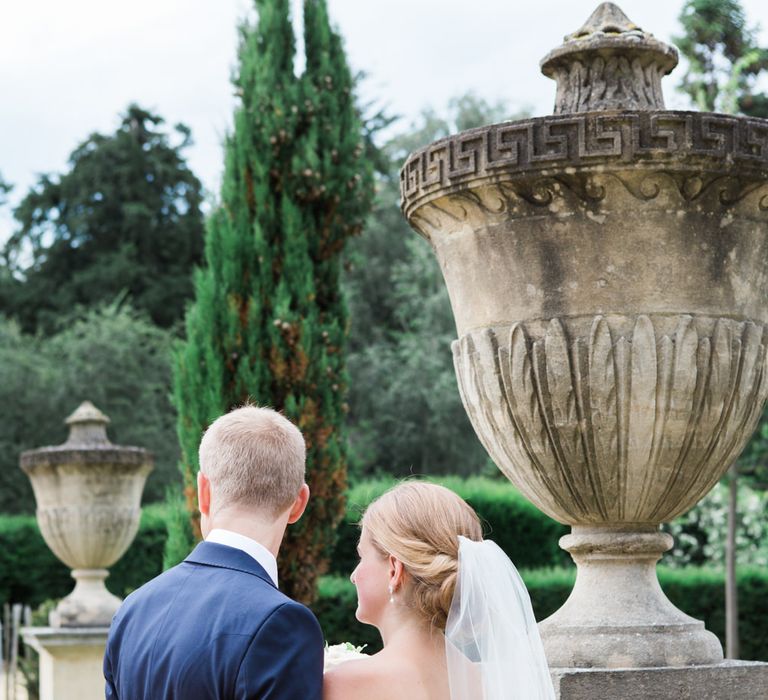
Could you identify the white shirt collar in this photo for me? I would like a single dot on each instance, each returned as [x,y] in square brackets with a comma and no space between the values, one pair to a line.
[251,547]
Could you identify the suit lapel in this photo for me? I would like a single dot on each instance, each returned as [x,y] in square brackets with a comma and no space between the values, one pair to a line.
[225,557]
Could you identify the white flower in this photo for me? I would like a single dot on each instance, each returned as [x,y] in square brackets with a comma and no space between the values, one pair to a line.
[336,654]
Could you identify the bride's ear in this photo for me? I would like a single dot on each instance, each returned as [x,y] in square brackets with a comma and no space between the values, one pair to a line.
[396,573]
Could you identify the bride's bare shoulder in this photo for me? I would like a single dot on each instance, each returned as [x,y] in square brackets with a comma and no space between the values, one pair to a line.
[364,678]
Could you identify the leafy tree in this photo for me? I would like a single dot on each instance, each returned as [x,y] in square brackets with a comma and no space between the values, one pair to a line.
[700,534]
[405,411]
[724,58]
[5,188]
[109,355]
[117,358]
[125,217]
[724,64]
[269,320]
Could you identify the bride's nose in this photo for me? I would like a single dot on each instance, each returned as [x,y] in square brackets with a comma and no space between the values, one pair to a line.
[352,576]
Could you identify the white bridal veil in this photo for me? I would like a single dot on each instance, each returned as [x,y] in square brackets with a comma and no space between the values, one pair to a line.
[491,638]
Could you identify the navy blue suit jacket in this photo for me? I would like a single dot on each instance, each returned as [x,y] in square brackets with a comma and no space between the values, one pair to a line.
[213,627]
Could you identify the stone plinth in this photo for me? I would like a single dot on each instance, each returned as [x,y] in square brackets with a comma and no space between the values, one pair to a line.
[730,680]
[70,661]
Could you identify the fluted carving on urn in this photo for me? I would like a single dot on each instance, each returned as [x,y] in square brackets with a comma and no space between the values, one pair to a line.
[611,427]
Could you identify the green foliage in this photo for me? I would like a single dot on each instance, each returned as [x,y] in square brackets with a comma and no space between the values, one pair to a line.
[124,218]
[700,534]
[527,535]
[698,592]
[109,355]
[180,540]
[405,412]
[701,594]
[724,59]
[5,188]
[269,322]
[29,572]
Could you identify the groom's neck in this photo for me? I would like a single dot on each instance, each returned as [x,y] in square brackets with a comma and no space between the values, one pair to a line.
[265,530]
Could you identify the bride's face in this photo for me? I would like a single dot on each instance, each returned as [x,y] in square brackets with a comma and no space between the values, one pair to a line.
[371,578]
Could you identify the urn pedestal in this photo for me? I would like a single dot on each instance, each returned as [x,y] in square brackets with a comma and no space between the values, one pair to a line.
[606,271]
[70,661]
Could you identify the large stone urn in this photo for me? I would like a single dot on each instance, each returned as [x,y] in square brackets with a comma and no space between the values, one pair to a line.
[88,494]
[607,271]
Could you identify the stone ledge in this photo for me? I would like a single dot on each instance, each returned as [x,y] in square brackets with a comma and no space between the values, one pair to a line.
[730,680]
[54,637]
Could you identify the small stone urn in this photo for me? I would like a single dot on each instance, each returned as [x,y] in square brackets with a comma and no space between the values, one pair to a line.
[606,267]
[88,494]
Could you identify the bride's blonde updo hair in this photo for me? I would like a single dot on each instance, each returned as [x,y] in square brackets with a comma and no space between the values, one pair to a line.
[419,524]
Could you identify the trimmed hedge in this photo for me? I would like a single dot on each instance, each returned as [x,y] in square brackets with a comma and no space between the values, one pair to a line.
[699,592]
[31,574]
[529,537]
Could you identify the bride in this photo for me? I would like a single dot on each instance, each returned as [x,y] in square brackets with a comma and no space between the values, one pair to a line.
[452,611]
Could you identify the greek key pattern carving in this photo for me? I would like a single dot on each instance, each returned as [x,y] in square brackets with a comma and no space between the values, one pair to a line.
[511,150]
[632,427]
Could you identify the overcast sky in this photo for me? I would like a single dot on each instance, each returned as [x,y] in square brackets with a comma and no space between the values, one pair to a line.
[68,67]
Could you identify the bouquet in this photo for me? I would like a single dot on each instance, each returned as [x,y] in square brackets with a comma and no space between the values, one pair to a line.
[336,654]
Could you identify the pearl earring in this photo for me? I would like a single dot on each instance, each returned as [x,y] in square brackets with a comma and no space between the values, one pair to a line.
[391,595]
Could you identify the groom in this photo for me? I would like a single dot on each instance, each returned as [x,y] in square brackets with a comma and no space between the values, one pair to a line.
[216,626]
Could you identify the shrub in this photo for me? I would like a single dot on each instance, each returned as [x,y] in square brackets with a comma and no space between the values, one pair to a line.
[700,592]
[700,534]
[29,572]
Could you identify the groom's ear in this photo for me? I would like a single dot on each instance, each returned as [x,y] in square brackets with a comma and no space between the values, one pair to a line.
[297,509]
[203,493]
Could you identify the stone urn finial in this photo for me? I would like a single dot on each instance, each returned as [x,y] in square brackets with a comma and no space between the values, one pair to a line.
[610,63]
[87,426]
[88,494]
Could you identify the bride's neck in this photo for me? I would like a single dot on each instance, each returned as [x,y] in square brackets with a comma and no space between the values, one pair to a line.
[404,631]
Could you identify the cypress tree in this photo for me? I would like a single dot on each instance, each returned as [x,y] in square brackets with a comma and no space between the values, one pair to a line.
[269,321]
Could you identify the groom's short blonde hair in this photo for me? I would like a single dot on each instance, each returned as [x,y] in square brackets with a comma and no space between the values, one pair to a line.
[253,457]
